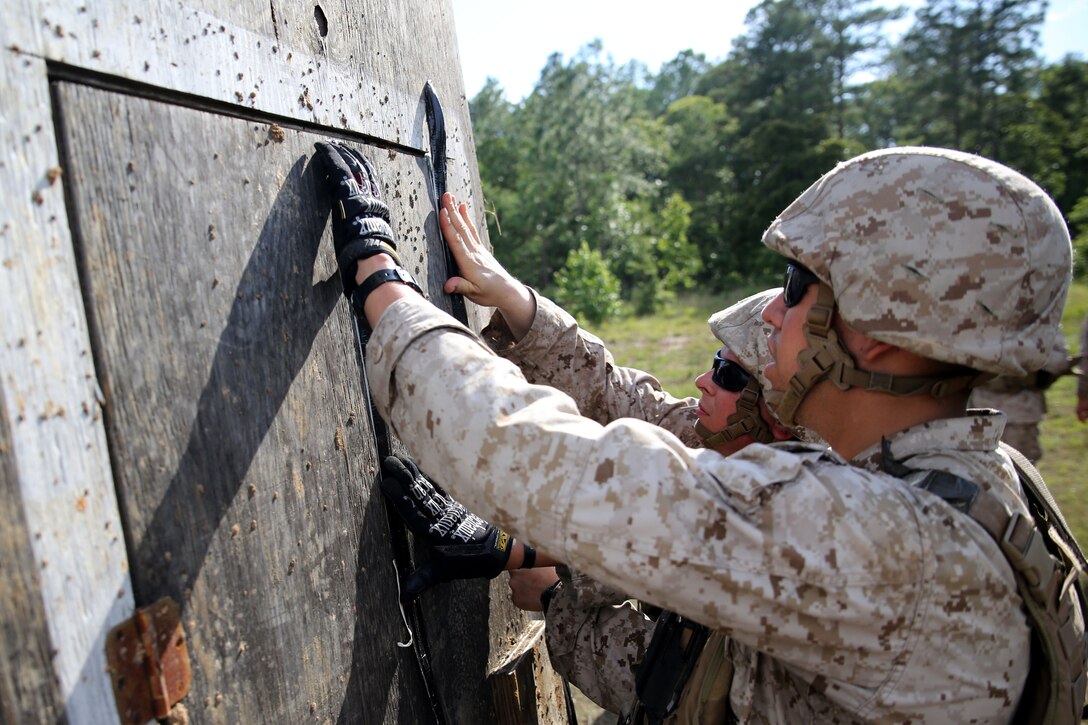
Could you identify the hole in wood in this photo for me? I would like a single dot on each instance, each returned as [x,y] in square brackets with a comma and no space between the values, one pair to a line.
[321,20]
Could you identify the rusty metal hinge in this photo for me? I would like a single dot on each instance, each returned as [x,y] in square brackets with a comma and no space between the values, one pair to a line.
[149,662]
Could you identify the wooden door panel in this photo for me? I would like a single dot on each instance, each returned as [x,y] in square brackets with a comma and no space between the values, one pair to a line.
[242,451]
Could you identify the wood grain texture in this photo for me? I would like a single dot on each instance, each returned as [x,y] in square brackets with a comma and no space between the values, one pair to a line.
[365,74]
[243,459]
[222,351]
[56,445]
[28,690]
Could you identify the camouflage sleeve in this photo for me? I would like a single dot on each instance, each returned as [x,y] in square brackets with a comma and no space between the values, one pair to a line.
[589,591]
[557,352]
[596,641]
[838,571]
[1082,382]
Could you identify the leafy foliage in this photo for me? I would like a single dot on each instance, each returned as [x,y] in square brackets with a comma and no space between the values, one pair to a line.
[671,177]
[586,287]
[1079,218]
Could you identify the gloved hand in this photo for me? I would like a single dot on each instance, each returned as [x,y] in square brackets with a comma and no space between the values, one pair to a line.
[360,219]
[463,546]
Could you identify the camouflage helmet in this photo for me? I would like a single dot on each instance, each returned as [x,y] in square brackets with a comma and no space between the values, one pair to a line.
[741,329]
[948,255]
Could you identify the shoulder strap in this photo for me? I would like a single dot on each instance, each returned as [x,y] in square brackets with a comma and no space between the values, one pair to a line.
[1043,504]
[1050,572]
[670,657]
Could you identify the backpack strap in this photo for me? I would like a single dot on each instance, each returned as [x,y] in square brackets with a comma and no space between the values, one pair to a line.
[1063,610]
[1050,572]
[660,682]
[1041,499]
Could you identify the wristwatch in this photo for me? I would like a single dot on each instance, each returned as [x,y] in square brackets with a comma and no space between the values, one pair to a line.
[376,280]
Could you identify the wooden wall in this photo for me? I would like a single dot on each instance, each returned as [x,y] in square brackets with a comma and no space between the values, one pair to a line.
[181,409]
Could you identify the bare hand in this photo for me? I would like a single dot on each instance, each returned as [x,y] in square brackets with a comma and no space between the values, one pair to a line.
[1082,410]
[526,586]
[483,280]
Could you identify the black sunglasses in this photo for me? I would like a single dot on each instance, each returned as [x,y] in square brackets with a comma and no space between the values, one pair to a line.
[798,279]
[729,375]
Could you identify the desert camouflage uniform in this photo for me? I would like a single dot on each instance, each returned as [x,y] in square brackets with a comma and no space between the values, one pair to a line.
[1023,403]
[848,594]
[1025,407]
[1082,381]
[557,352]
[595,635]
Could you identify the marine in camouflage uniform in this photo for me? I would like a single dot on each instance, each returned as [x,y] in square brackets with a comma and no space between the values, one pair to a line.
[1023,401]
[847,593]
[596,637]
[1082,379]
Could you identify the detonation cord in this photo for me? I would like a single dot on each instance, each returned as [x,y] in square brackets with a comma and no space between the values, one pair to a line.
[398,535]
[436,126]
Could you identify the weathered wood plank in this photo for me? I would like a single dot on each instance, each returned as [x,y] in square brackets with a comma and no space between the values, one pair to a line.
[56,445]
[365,73]
[223,351]
[241,449]
[28,690]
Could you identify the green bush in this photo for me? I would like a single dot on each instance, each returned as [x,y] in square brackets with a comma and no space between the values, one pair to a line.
[586,288]
[656,259]
[1078,222]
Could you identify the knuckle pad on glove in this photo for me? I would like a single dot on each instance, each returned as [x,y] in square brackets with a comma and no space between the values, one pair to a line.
[373,227]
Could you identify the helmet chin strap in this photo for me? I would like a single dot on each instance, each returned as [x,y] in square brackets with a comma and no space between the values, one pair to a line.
[747,420]
[825,356]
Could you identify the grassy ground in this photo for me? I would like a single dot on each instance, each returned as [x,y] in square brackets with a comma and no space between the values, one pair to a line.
[1065,440]
[677,346]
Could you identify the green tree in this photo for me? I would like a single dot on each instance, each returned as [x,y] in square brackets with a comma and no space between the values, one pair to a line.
[778,84]
[583,147]
[586,287]
[853,31]
[1063,117]
[656,259]
[678,260]
[677,78]
[880,114]
[698,132]
[957,61]
[1078,219]
[648,168]
[494,128]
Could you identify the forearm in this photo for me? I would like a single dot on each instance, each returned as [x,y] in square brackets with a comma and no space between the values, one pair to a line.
[517,557]
[629,504]
[557,352]
[518,308]
[379,300]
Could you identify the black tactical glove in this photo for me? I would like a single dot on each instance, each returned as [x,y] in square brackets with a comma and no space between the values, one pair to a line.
[360,219]
[462,545]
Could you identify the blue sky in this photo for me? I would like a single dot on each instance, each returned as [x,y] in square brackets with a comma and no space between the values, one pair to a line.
[511,39]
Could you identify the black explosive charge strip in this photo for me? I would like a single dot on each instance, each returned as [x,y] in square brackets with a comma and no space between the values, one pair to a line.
[402,550]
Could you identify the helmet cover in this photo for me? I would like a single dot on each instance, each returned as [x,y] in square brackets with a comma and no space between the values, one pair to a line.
[946,254]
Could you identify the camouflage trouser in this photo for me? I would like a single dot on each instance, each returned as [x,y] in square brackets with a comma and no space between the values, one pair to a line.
[1024,437]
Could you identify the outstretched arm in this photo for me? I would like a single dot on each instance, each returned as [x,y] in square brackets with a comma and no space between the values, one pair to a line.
[483,280]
